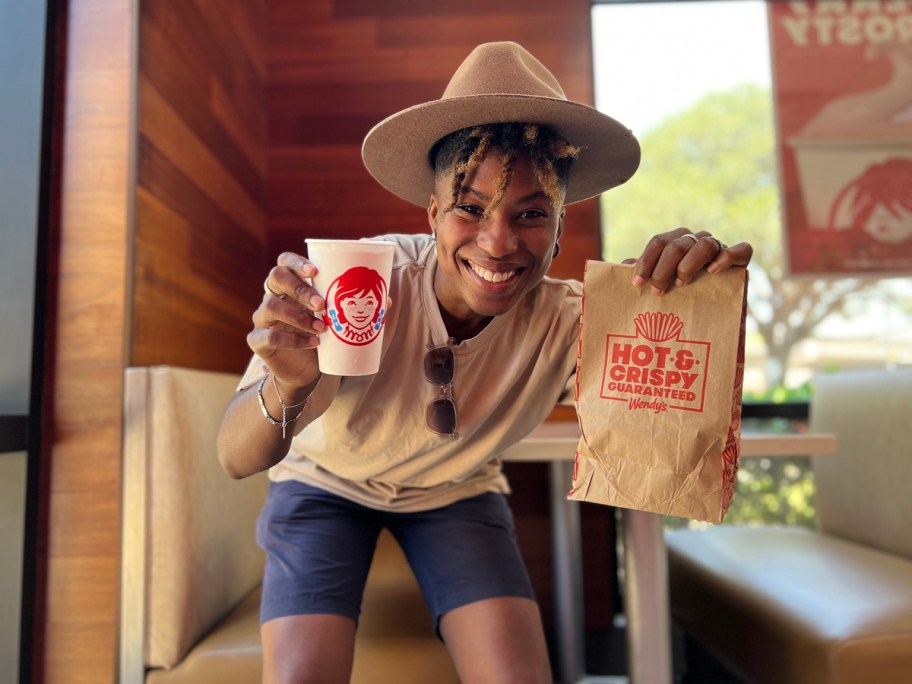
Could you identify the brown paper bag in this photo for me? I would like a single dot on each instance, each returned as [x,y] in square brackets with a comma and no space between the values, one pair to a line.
[658,393]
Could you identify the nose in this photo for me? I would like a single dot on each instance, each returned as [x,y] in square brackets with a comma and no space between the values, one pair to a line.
[497,236]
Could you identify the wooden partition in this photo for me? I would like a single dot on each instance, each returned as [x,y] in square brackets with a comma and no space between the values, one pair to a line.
[196,141]
[160,251]
[200,239]
[337,67]
[79,521]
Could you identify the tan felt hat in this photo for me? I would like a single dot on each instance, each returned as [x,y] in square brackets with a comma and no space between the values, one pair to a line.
[497,83]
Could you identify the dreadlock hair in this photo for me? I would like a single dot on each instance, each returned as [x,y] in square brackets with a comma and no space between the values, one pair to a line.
[463,150]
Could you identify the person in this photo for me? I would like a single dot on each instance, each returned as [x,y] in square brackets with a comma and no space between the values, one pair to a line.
[479,346]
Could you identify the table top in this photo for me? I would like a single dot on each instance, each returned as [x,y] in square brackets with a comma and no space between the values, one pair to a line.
[557,440]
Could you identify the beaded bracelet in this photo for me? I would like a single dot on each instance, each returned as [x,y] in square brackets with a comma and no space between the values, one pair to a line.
[284,422]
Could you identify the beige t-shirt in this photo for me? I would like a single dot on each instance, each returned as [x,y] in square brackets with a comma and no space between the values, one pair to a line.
[365,438]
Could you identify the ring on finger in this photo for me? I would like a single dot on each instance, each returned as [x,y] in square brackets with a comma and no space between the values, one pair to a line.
[722,247]
[270,291]
[692,237]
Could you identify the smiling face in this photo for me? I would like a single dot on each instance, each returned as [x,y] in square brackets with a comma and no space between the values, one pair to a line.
[359,310]
[490,257]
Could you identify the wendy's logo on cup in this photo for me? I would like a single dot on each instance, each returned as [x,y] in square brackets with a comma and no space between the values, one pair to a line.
[355,306]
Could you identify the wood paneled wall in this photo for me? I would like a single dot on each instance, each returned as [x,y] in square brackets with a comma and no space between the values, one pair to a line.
[160,259]
[200,252]
[337,67]
[88,295]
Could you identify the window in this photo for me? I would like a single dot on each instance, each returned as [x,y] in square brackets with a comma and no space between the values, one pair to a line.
[693,81]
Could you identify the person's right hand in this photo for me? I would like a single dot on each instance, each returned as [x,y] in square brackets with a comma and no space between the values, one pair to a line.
[286,332]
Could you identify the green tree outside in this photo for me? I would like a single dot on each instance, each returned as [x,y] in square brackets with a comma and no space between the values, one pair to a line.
[713,166]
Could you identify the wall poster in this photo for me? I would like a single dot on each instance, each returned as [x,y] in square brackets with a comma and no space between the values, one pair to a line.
[842,75]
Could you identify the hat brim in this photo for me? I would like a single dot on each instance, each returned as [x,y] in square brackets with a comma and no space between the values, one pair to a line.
[396,150]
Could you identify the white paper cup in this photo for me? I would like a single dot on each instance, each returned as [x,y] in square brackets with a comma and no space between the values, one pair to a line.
[353,277]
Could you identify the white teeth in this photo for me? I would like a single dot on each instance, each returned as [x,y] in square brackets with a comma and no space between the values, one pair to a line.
[492,276]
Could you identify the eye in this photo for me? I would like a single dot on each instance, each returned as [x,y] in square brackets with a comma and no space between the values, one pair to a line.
[472,209]
[532,214]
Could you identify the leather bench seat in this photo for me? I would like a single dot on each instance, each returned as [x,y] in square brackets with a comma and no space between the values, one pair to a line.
[790,605]
[229,654]
[395,629]
[191,570]
[396,640]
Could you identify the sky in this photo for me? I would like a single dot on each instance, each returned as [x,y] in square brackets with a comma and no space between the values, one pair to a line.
[656,58]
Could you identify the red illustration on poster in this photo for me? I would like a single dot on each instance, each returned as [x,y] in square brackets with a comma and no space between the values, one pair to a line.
[843,90]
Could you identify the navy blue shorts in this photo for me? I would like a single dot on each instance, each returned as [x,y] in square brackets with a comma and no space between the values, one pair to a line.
[319,548]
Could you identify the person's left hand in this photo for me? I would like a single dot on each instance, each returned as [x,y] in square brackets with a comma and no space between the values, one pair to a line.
[675,257]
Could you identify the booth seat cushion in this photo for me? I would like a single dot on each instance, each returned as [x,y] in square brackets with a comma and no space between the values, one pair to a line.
[395,641]
[195,547]
[202,553]
[790,605]
[230,654]
[863,489]
[392,605]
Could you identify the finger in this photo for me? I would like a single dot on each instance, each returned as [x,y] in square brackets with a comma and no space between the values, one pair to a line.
[265,342]
[290,277]
[284,327]
[274,311]
[705,250]
[647,261]
[282,283]
[297,265]
[269,291]
[681,258]
[736,255]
